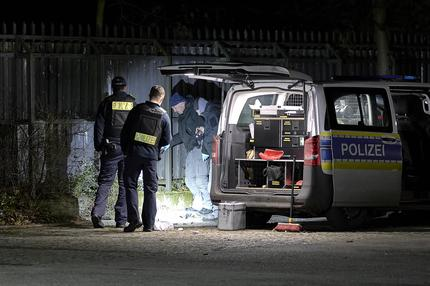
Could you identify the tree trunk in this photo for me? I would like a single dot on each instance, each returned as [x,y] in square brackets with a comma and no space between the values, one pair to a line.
[381,40]
[99,17]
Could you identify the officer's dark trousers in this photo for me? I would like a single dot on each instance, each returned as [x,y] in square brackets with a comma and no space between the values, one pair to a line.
[111,163]
[133,165]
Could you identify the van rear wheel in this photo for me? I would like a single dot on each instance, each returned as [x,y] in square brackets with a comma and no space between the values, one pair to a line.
[347,218]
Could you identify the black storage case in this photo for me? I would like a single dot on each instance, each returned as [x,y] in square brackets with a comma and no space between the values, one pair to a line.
[267,133]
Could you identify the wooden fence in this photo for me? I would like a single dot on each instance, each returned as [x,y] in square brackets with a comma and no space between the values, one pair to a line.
[63,71]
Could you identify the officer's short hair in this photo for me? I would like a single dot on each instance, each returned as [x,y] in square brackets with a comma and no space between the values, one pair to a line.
[157,92]
[118,83]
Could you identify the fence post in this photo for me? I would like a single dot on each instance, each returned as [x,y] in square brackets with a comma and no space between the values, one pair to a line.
[33,29]
[29,70]
[214,34]
[169,155]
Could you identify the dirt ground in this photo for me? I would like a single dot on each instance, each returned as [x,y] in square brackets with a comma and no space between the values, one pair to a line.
[80,255]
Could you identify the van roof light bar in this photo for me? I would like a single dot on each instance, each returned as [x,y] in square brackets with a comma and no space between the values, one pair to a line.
[376,78]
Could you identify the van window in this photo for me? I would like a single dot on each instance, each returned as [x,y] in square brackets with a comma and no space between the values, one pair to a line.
[246,113]
[294,99]
[358,108]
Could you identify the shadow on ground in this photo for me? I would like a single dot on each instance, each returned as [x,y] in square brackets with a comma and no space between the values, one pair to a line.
[416,221]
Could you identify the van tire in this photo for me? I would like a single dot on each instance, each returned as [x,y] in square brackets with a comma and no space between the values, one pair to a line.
[347,218]
[256,219]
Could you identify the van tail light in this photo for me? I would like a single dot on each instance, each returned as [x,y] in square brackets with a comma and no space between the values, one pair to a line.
[215,149]
[312,151]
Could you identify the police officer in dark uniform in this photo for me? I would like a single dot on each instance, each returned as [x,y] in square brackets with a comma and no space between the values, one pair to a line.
[146,134]
[111,116]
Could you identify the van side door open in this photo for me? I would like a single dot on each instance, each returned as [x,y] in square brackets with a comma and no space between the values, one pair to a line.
[366,150]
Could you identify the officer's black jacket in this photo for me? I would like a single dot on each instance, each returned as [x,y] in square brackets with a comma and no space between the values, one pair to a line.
[187,124]
[109,122]
[130,147]
[211,116]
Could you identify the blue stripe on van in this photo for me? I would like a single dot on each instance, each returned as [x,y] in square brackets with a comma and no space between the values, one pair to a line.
[346,148]
[325,143]
[326,154]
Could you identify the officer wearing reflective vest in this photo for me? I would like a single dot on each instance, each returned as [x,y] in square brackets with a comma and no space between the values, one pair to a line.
[111,116]
[146,134]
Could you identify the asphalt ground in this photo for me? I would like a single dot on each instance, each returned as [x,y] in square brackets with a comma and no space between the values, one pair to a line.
[388,252]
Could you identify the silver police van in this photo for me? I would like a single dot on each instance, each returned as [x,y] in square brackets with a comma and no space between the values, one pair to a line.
[344,149]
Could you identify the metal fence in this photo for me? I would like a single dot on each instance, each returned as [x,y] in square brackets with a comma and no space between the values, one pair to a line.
[64,71]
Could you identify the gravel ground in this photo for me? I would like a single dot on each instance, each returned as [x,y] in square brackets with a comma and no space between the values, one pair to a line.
[80,255]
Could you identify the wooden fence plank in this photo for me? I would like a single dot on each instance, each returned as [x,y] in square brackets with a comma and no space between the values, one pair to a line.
[3,87]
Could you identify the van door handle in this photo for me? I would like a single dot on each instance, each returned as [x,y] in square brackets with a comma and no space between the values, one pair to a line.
[389,140]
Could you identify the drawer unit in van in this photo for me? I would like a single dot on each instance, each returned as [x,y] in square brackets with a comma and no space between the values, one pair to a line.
[293,146]
[267,133]
[279,132]
[293,127]
[292,141]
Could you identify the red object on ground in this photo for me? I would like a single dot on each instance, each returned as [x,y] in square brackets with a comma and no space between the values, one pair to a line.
[270,154]
[291,227]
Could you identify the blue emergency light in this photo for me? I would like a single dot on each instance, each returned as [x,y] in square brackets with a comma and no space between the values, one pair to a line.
[398,77]
[376,78]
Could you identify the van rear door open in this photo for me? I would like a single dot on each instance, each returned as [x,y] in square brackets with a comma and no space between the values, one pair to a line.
[253,87]
[231,72]
[366,152]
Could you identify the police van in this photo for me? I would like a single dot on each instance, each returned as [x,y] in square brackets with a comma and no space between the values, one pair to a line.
[345,149]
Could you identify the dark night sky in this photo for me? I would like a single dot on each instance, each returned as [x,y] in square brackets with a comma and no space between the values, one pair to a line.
[67,11]
[295,14]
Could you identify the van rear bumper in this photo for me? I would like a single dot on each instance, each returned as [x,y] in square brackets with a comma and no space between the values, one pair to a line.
[251,199]
[314,198]
[256,201]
